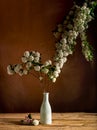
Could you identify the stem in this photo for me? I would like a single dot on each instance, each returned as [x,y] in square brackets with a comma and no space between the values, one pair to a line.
[42,81]
[34,75]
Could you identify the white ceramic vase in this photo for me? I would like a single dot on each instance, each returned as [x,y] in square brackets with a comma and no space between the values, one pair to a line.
[45,110]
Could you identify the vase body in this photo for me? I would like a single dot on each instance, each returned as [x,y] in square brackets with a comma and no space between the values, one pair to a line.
[45,110]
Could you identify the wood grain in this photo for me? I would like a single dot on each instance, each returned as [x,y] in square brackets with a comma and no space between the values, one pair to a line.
[61,121]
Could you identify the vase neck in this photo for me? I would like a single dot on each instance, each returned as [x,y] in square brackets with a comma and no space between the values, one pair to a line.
[45,96]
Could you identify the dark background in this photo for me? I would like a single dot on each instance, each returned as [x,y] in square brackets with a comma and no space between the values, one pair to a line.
[28,25]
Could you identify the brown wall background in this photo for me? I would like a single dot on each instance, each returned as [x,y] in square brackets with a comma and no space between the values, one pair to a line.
[28,25]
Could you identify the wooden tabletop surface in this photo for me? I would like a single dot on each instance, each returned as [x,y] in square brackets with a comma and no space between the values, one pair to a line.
[61,121]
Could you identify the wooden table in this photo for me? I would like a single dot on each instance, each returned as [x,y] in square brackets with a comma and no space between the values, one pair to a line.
[61,121]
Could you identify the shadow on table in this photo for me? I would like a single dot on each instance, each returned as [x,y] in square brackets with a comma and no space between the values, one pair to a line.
[20,123]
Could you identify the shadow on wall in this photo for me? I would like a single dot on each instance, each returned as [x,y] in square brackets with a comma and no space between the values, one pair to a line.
[28,25]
